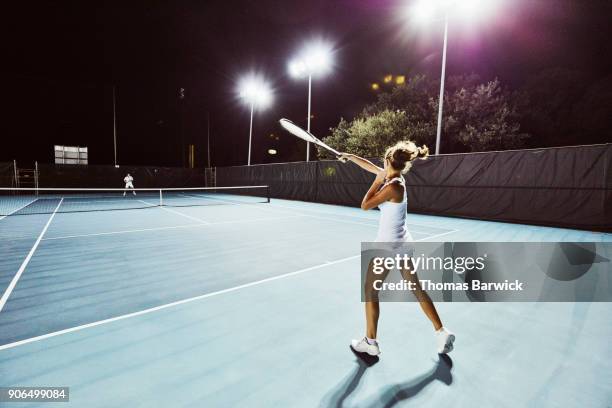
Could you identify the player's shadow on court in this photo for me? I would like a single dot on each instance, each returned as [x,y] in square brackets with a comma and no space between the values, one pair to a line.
[392,394]
[350,384]
[401,392]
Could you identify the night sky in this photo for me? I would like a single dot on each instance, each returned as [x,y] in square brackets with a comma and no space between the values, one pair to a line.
[61,59]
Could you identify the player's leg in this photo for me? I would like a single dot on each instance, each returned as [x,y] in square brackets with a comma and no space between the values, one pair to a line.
[369,344]
[444,337]
[372,313]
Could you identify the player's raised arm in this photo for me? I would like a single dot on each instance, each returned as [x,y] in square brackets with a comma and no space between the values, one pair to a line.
[361,162]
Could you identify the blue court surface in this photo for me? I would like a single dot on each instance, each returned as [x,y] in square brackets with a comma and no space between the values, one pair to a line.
[255,305]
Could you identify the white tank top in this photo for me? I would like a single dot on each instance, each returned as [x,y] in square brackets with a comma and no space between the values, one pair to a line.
[392,224]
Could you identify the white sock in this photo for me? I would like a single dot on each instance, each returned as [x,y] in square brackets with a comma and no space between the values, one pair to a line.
[440,330]
[370,341]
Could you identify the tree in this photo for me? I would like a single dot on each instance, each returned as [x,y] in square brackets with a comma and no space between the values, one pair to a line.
[412,97]
[481,117]
[370,135]
[477,116]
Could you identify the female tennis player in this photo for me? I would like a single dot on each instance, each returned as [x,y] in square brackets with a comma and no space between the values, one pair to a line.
[388,193]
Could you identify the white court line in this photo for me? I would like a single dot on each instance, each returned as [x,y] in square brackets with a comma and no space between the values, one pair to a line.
[408,225]
[373,225]
[168,305]
[20,208]
[437,235]
[176,212]
[173,227]
[432,235]
[297,211]
[123,231]
[25,262]
[352,216]
[447,231]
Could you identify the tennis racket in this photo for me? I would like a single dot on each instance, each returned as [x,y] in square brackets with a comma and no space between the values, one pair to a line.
[295,130]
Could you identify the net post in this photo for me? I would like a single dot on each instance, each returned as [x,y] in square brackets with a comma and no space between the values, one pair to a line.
[268,194]
[161,199]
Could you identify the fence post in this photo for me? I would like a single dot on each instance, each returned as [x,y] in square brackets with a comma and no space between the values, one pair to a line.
[316,196]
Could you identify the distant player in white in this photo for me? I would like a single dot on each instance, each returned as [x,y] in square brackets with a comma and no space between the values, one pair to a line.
[128,184]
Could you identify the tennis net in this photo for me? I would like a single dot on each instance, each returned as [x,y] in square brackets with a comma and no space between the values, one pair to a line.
[24,201]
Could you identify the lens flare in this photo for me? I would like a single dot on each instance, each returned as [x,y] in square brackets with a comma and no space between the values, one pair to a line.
[424,11]
[315,59]
[254,89]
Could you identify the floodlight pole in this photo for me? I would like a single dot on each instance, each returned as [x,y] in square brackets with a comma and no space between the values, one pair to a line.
[251,132]
[208,136]
[308,122]
[114,126]
[441,100]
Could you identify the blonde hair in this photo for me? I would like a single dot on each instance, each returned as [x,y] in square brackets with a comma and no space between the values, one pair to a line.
[402,154]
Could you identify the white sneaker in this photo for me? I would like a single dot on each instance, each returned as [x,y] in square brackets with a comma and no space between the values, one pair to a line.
[445,340]
[362,346]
